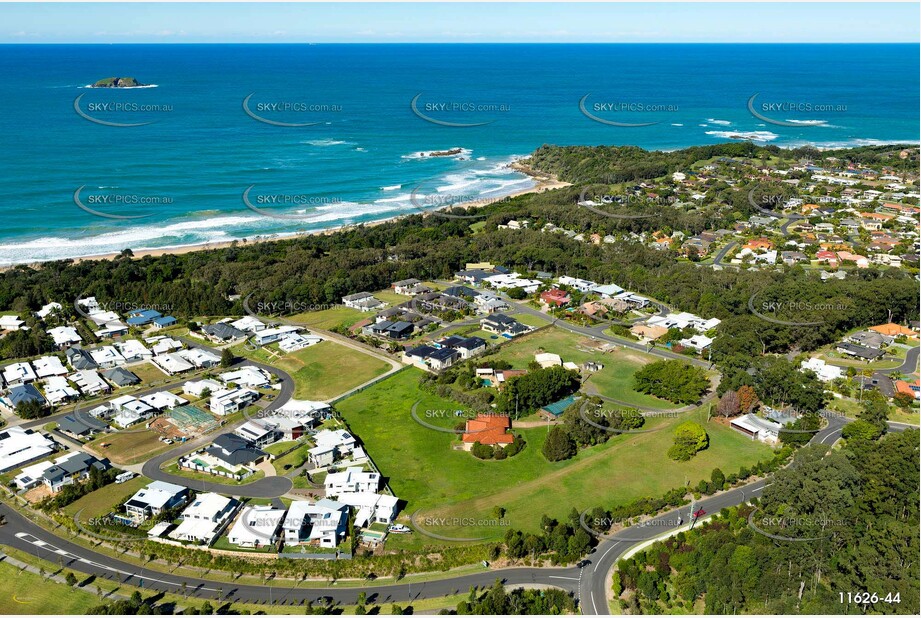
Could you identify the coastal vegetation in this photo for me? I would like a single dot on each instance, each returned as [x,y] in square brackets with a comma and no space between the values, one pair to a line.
[857,502]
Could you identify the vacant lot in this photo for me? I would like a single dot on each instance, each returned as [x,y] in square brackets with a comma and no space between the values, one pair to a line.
[330,318]
[327,369]
[423,468]
[107,499]
[615,380]
[129,447]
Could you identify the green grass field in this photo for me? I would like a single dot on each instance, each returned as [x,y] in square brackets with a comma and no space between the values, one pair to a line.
[615,380]
[22,592]
[327,369]
[440,481]
[330,318]
[107,499]
[129,447]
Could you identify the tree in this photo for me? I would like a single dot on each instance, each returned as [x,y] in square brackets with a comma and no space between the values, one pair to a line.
[71,579]
[875,410]
[559,445]
[673,380]
[32,408]
[729,404]
[861,430]
[227,357]
[690,438]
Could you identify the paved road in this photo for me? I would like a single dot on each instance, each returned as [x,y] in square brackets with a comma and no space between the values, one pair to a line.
[587,583]
[267,487]
[22,534]
[597,332]
[910,364]
[718,258]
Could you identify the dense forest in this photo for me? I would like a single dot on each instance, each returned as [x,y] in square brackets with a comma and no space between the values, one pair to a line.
[835,523]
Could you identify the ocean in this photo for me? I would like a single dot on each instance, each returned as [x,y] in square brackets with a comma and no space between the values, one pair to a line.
[246,141]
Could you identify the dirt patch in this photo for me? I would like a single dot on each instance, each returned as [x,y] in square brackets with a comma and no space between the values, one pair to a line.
[37,494]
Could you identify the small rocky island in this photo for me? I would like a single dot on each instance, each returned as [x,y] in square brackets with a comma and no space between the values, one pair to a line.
[445,153]
[118,82]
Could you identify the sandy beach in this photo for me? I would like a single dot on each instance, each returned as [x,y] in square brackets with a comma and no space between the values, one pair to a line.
[543,182]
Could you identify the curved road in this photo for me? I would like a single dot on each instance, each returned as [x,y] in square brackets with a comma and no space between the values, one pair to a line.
[587,583]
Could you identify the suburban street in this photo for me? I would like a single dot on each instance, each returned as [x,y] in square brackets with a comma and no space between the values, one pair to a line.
[588,583]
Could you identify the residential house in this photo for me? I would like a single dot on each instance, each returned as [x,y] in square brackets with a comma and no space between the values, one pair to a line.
[235,450]
[330,446]
[20,394]
[351,480]
[256,526]
[504,325]
[155,498]
[221,332]
[205,518]
[488,429]
[89,382]
[64,336]
[258,432]
[859,351]
[322,523]
[120,377]
[371,507]
[757,428]
[229,401]
[20,446]
[80,426]
[363,301]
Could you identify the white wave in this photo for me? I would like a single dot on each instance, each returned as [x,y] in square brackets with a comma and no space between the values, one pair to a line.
[391,187]
[677,124]
[809,123]
[755,136]
[325,142]
[719,122]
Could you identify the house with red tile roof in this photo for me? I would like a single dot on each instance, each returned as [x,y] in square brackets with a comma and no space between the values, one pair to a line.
[555,297]
[488,429]
[827,257]
[894,330]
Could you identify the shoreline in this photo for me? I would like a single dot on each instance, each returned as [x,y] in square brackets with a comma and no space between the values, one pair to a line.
[543,182]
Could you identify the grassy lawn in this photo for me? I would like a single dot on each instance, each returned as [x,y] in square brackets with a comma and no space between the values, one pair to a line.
[292,460]
[615,380]
[22,592]
[330,318]
[129,447]
[424,470]
[105,500]
[148,373]
[327,369]
[279,447]
[852,408]
[531,320]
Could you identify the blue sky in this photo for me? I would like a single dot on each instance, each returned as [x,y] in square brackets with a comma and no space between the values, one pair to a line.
[450,23]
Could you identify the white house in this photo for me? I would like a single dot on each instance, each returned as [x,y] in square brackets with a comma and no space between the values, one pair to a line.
[822,370]
[271,335]
[64,336]
[133,350]
[248,324]
[107,356]
[229,401]
[257,526]
[698,342]
[48,309]
[757,428]
[162,400]
[371,507]
[18,373]
[252,377]
[20,446]
[199,387]
[199,358]
[331,445]
[323,523]
[154,499]
[259,432]
[11,322]
[48,366]
[89,382]
[205,518]
[58,390]
[172,363]
[351,480]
